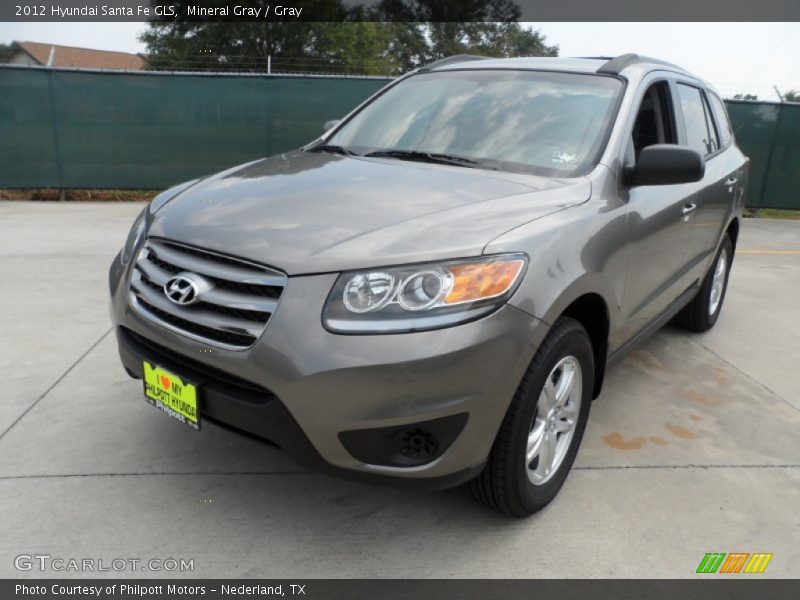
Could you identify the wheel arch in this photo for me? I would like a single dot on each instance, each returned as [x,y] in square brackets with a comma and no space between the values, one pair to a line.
[733,231]
[592,302]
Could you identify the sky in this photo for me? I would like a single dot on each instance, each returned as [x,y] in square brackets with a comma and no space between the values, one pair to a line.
[733,57]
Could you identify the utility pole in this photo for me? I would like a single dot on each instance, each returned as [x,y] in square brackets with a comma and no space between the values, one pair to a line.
[777,91]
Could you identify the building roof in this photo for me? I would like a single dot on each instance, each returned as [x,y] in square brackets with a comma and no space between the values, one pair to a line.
[82,58]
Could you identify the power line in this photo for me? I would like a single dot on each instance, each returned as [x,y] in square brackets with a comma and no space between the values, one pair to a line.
[776,42]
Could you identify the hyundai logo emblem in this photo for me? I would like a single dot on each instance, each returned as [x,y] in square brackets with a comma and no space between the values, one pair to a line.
[181,289]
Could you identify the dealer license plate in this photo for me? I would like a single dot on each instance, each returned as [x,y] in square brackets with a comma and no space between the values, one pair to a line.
[173,395]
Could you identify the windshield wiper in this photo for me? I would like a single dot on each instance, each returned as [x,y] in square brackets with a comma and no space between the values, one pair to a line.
[333,149]
[432,157]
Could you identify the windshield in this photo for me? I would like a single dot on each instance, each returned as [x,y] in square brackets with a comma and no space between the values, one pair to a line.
[545,123]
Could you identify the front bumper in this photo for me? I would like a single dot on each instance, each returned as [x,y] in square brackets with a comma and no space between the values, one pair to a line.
[302,387]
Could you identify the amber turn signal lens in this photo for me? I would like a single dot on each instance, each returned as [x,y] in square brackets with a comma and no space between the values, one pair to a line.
[478,281]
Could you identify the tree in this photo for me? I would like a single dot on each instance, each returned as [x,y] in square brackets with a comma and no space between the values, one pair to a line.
[235,46]
[791,96]
[486,39]
[222,46]
[360,47]
[745,97]
[389,38]
[438,29]
[6,52]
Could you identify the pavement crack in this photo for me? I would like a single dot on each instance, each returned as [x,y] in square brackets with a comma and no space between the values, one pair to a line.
[690,466]
[57,381]
[747,375]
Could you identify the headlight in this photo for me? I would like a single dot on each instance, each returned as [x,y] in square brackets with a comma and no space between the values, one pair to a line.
[421,297]
[367,292]
[134,237]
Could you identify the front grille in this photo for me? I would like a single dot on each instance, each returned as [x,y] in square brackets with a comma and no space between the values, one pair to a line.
[235,301]
[225,337]
[267,291]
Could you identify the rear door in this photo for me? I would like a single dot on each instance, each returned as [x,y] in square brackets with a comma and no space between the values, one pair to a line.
[722,183]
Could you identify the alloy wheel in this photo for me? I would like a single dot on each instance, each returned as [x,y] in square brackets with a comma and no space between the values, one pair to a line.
[554,421]
[718,282]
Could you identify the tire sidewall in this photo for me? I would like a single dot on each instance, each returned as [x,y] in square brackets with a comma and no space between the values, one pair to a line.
[727,247]
[576,343]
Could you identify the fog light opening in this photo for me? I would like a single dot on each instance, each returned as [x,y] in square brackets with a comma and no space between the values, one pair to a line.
[407,445]
[417,444]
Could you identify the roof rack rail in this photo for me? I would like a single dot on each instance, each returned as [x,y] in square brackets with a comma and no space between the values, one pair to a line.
[616,65]
[458,58]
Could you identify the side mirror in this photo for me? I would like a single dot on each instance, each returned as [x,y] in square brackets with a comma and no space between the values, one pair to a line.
[666,164]
[330,124]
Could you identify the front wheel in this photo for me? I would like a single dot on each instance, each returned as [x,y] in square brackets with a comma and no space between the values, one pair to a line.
[701,313]
[542,430]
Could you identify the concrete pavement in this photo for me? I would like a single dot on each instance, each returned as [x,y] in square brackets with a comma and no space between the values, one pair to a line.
[693,446]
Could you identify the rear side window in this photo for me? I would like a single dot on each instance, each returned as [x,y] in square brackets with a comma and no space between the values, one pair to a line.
[700,133]
[721,118]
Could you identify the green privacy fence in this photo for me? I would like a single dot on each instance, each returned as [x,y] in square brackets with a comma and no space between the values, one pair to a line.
[769,133]
[82,129]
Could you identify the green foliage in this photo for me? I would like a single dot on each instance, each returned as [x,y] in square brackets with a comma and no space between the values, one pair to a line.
[6,52]
[384,44]
[791,96]
[486,39]
[223,46]
[360,47]
[745,97]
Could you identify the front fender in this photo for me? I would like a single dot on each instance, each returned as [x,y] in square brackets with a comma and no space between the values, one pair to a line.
[577,251]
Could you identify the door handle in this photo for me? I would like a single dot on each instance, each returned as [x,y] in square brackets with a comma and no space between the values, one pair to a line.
[731,181]
[688,209]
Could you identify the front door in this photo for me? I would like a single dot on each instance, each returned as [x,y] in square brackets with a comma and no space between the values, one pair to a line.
[659,221]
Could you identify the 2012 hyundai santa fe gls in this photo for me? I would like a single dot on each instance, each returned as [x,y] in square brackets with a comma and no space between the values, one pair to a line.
[431,292]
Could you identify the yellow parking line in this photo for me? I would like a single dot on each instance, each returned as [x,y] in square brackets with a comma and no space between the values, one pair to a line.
[758,251]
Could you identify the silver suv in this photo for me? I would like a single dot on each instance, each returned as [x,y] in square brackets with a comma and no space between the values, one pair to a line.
[431,292]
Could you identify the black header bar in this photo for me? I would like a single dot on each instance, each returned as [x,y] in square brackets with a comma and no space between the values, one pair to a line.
[708,587]
[398,10]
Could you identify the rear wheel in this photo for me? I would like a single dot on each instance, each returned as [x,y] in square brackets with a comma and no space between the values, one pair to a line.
[701,313]
[542,430]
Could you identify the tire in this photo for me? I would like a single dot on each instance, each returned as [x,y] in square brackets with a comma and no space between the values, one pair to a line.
[702,312]
[507,481]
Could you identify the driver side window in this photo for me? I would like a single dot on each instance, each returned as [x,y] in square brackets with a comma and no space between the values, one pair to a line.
[655,121]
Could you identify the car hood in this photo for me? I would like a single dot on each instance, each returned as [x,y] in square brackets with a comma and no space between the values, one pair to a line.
[309,212]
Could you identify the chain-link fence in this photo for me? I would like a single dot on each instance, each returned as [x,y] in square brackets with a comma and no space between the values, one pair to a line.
[82,129]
